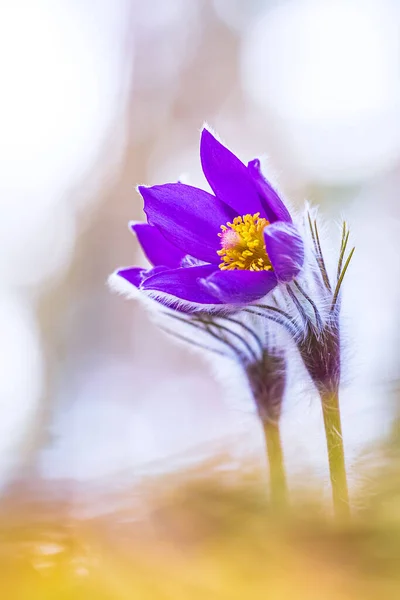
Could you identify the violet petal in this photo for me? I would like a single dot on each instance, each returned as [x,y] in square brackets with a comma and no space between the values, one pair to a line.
[285,249]
[228,177]
[133,275]
[188,217]
[181,284]
[240,287]
[157,249]
[274,208]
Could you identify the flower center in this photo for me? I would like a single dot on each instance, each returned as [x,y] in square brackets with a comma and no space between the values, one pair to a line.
[243,246]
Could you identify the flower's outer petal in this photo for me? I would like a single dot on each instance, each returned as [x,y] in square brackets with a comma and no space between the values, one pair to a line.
[240,287]
[133,275]
[274,208]
[136,275]
[157,249]
[128,280]
[181,284]
[228,177]
[187,217]
[285,249]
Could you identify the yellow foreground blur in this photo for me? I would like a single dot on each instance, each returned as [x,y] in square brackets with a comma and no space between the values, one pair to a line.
[197,538]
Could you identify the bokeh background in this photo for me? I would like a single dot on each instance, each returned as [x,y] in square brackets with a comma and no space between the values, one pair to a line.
[98,96]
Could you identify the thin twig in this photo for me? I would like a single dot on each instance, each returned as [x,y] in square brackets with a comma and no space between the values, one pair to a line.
[193,343]
[318,252]
[227,330]
[312,303]
[273,308]
[298,305]
[248,329]
[340,280]
[203,328]
[279,311]
[237,336]
[324,272]
[345,239]
[286,321]
[293,330]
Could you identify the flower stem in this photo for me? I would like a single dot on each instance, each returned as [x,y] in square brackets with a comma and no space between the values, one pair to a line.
[336,459]
[278,483]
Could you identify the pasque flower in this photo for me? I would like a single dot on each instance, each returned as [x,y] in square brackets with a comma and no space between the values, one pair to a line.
[215,251]
[215,257]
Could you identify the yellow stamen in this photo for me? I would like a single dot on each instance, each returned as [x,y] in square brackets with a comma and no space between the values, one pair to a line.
[243,245]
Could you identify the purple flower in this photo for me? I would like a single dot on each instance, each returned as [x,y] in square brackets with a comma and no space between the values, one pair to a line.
[215,251]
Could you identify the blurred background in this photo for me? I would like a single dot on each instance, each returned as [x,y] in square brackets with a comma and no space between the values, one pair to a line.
[98,96]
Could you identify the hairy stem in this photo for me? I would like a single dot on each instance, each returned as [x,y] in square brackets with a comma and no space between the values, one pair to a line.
[336,459]
[278,485]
